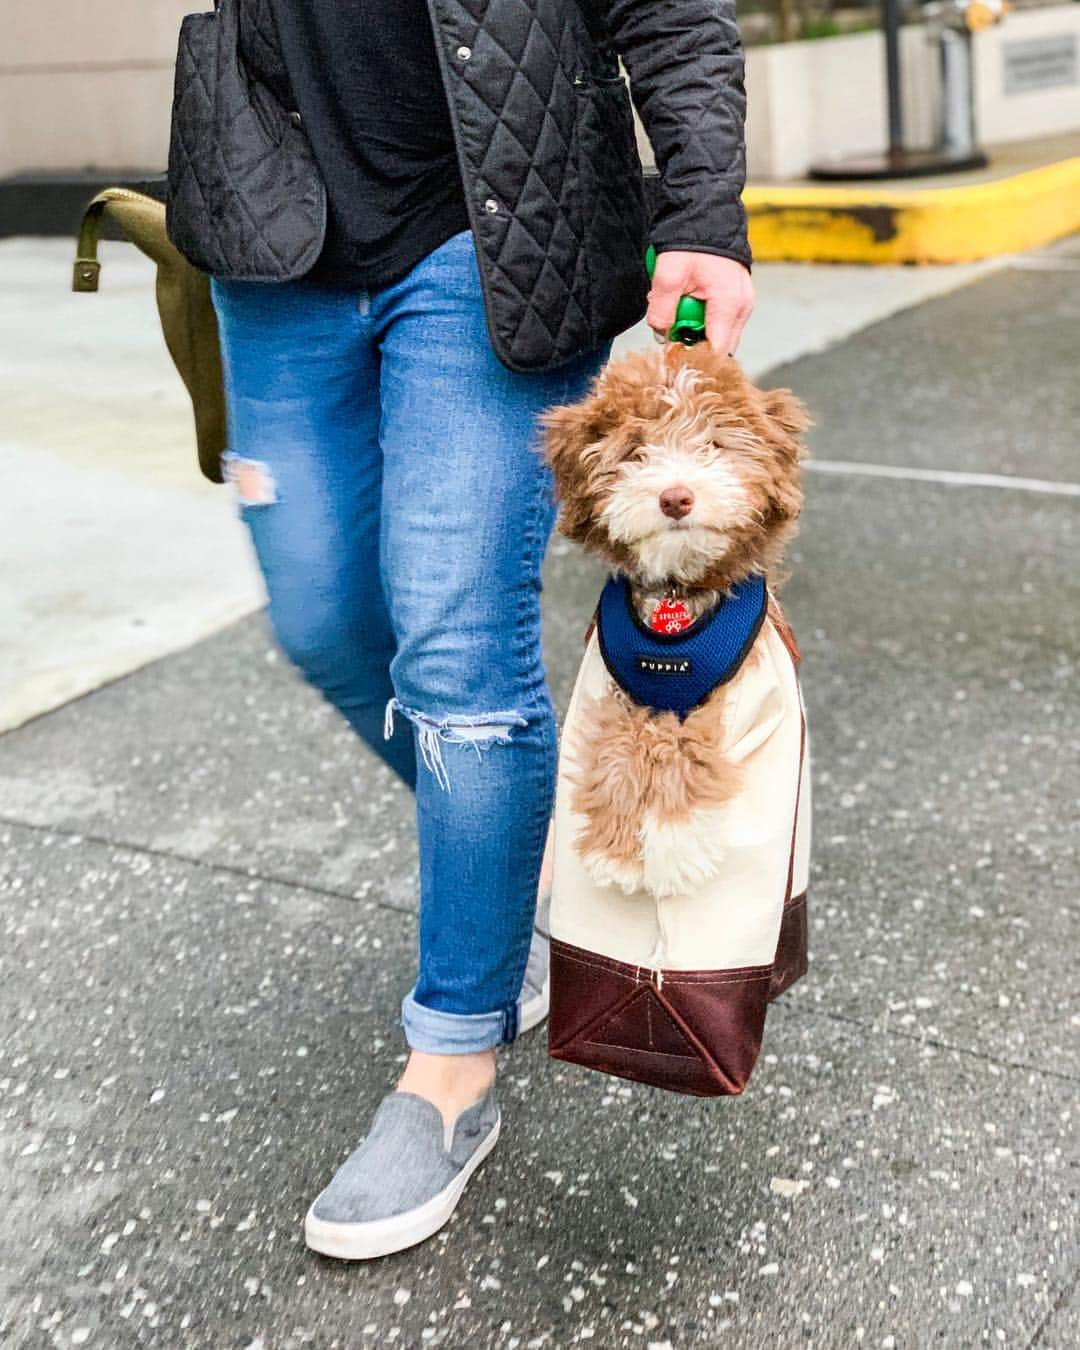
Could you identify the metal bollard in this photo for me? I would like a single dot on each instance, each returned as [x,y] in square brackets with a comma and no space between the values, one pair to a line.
[957,129]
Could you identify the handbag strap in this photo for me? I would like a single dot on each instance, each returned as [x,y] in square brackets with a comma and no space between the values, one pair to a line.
[87,268]
[798,795]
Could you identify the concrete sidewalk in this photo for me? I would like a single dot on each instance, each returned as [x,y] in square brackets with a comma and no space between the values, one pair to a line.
[208,905]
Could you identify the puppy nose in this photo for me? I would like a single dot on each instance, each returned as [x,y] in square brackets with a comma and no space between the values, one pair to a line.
[676,501]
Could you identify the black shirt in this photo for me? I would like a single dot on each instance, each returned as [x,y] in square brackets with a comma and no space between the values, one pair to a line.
[367,80]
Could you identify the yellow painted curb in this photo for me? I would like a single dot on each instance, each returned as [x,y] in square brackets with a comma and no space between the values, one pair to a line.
[898,225]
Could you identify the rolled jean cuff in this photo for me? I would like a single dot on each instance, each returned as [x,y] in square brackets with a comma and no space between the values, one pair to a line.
[442,1033]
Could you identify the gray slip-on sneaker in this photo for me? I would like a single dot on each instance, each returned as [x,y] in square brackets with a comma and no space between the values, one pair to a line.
[536,989]
[403,1181]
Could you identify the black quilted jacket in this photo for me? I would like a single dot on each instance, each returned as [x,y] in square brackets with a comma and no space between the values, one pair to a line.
[548,157]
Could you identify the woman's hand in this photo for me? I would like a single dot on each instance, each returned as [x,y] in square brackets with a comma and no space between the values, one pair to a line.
[722,283]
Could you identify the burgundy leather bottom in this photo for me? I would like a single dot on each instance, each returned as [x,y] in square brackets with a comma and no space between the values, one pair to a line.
[693,1031]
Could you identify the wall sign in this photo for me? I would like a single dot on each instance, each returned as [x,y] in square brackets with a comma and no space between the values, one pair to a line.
[1041,63]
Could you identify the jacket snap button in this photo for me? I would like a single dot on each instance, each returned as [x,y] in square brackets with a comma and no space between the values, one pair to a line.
[464,53]
[296,119]
[491,205]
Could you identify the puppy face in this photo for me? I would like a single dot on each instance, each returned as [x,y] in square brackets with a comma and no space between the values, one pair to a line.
[675,466]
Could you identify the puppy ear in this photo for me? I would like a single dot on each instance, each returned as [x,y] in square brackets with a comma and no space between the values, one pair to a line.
[786,419]
[787,411]
[569,428]
[628,391]
[633,385]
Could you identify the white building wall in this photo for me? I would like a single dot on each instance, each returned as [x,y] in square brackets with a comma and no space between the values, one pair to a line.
[826,99]
[1006,117]
[87,83]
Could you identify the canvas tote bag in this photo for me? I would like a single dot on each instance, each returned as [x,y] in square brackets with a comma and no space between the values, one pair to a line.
[674,991]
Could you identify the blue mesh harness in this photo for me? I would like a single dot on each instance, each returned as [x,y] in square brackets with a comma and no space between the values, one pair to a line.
[674,672]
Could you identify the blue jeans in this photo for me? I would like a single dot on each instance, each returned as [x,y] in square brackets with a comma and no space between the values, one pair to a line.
[387,467]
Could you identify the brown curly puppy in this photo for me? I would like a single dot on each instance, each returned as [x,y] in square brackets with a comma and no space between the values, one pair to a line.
[685,479]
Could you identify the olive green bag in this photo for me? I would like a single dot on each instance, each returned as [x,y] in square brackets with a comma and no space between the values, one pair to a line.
[188,321]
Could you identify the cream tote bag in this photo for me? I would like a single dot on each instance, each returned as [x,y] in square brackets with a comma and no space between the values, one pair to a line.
[673,991]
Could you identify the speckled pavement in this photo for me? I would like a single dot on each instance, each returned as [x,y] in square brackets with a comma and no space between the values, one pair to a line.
[207,895]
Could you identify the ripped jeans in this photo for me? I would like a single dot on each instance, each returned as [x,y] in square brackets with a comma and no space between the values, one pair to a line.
[386,465]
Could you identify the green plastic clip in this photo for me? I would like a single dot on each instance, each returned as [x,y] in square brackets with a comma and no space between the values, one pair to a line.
[689,325]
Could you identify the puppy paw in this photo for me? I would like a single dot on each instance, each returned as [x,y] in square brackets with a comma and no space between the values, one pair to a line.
[679,858]
[622,874]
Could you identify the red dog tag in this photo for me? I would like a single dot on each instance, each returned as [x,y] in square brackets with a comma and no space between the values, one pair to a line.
[670,616]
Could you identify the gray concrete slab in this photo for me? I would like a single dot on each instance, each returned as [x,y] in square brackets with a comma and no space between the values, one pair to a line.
[941,654]
[977,380]
[221,753]
[186,1055]
[247,952]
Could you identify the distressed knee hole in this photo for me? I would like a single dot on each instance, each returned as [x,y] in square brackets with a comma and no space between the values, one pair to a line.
[251,478]
[478,730]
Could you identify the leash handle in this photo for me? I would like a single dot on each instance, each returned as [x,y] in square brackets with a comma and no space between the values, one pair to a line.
[689,325]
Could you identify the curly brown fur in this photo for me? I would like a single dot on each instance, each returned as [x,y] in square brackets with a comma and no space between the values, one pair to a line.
[634,760]
[686,427]
[639,776]
[679,413]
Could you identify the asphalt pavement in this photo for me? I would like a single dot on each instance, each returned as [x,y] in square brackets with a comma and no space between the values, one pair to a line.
[207,895]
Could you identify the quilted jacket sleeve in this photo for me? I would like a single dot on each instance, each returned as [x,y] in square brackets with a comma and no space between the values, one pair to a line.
[685,63]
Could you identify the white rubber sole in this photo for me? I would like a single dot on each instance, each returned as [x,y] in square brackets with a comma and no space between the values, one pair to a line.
[383,1237]
[534,1010]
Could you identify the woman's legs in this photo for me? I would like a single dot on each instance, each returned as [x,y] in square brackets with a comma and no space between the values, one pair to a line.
[302,383]
[400,510]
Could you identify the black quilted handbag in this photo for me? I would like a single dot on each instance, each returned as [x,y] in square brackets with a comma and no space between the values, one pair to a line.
[245,198]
